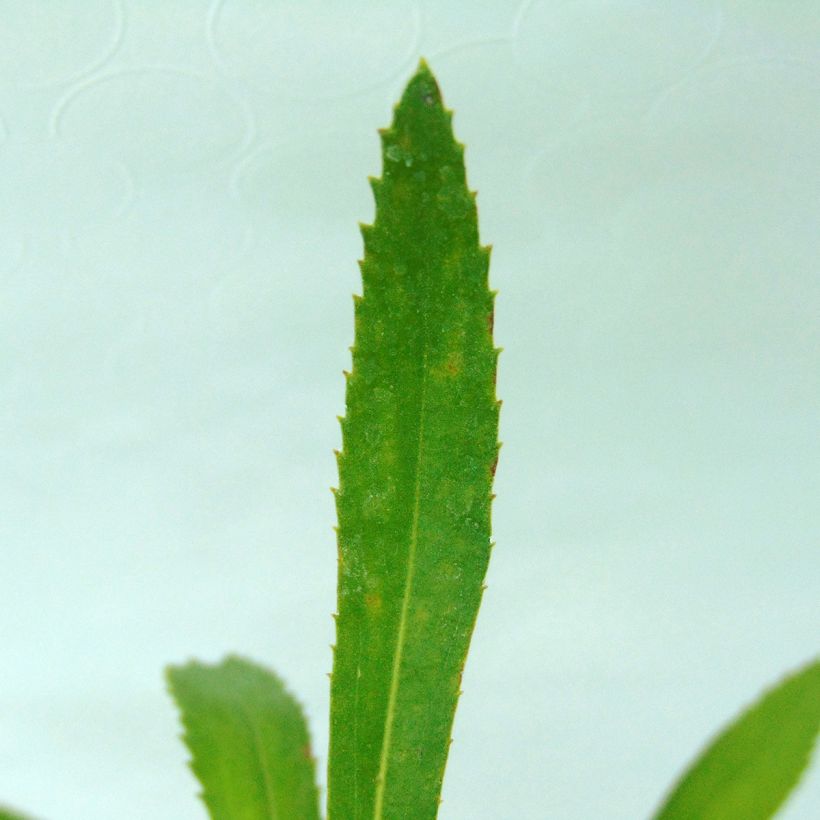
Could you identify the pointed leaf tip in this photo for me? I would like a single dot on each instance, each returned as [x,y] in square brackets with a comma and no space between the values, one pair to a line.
[422,88]
[423,72]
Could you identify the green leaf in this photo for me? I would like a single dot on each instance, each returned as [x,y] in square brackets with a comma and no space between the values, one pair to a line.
[8,814]
[420,443]
[749,770]
[248,740]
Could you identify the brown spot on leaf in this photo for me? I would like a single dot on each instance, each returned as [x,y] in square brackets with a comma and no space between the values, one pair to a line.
[453,364]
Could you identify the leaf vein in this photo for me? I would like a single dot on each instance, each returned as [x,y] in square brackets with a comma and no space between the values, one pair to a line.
[378,806]
[267,779]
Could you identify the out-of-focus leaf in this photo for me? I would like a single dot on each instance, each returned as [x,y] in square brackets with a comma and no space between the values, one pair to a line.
[8,814]
[749,770]
[248,739]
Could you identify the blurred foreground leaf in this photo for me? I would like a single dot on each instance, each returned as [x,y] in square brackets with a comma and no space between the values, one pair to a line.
[8,814]
[249,741]
[749,770]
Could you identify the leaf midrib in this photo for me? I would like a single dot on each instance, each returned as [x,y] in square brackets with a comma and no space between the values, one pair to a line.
[384,757]
[269,792]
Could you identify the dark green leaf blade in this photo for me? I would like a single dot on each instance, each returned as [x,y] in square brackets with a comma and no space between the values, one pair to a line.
[749,770]
[420,443]
[248,740]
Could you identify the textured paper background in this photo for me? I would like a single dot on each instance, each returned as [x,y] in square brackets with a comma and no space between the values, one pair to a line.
[179,189]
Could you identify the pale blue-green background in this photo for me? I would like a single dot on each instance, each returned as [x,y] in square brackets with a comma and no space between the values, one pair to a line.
[179,189]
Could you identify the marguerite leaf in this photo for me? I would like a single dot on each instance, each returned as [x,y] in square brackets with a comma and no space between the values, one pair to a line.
[248,739]
[8,814]
[419,450]
[747,772]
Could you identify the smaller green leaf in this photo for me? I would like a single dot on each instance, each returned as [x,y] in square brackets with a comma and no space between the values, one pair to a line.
[8,814]
[749,770]
[248,739]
